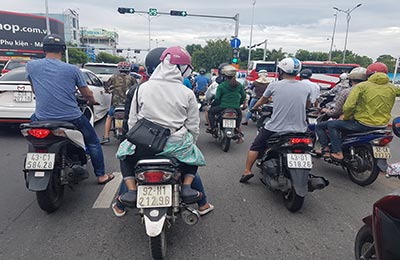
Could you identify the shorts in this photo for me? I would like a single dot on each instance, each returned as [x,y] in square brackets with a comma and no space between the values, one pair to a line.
[260,143]
[111,111]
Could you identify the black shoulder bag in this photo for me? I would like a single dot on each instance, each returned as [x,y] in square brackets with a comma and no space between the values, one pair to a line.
[146,134]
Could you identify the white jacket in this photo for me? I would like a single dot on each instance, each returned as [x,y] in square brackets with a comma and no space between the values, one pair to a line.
[164,100]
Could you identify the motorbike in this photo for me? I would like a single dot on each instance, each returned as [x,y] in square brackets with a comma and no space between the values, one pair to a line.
[118,122]
[365,153]
[159,202]
[286,167]
[262,115]
[226,128]
[56,158]
[378,238]
[201,99]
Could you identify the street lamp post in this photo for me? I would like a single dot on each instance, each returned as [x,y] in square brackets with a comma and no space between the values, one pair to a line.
[348,17]
[333,37]
[251,32]
[47,17]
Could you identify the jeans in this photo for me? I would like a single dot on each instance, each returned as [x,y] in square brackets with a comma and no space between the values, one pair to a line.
[197,184]
[253,101]
[335,127]
[216,110]
[91,141]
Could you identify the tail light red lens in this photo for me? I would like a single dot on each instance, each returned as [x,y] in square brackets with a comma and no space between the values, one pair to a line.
[229,115]
[154,176]
[39,133]
[385,140]
[305,141]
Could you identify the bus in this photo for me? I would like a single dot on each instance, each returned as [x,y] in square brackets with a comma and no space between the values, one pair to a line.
[326,74]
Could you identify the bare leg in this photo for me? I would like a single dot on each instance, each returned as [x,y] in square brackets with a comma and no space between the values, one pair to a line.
[107,127]
[251,158]
[187,180]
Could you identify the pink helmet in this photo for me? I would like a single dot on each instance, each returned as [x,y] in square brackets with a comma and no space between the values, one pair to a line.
[178,56]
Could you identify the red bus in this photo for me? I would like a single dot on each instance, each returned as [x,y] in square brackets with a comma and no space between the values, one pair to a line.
[326,74]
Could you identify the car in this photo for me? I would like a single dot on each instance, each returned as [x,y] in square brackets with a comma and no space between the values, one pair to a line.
[17,101]
[102,70]
[13,64]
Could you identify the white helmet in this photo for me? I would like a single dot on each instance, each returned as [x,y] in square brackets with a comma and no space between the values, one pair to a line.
[263,73]
[229,71]
[358,73]
[290,65]
[343,76]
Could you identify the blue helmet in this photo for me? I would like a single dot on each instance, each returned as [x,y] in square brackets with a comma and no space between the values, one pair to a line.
[396,126]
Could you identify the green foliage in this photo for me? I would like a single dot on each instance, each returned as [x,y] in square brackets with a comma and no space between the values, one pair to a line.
[77,56]
[388,60]
[108,58]
[211,55]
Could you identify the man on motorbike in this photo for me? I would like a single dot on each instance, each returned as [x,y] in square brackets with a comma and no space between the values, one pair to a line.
[368,107]
[305,76]
[258,87]
[117,85]
[230,94]
[179,114]
[201,82]
[284,118]
[357,75]
[54,84]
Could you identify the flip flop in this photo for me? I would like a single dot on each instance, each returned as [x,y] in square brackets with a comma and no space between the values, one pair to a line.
[110,177]
[116,213]
[207,210]
[246,177]
[333,156]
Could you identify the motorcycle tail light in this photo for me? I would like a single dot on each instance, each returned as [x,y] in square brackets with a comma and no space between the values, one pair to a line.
[39,133]
[229,115]
[382,141]
[154,176]
[59,132]
[306,141]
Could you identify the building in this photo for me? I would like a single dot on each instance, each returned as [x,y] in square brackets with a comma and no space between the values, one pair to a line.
[70,18]
[99,39]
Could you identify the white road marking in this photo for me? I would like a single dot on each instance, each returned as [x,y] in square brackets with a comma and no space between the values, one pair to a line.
[107,195]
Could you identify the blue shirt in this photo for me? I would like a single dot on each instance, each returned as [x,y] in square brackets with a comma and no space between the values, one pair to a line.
[187,83]
[201,82]
[54,83]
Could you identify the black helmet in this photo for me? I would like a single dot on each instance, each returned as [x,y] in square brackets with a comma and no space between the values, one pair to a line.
[53,43]
[202,71]
[305,74]
[153,59]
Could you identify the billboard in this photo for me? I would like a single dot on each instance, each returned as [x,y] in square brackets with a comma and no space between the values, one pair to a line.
[22,34]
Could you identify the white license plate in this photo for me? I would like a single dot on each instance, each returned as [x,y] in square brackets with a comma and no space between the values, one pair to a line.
[299,160]
[118,123]
[154,196]
[229,123]
[202,97]
[40,161]
[381,152]
[20,96]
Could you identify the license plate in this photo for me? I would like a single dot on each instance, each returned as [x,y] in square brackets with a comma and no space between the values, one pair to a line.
[118,123]
[40,161]
[228,123]
[381,152]
[299,160]
[154,196]
[202,97]
[21,96]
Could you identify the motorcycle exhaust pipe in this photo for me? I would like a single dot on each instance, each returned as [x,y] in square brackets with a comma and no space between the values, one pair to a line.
[317,183]
[190,216]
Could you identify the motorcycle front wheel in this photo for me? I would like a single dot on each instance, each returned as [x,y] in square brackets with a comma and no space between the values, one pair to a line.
[158,245]
[225,143]
[364,244]
[50,199]
[371,173]
[293,202]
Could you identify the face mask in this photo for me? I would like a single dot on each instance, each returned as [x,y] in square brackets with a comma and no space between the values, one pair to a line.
[186,70]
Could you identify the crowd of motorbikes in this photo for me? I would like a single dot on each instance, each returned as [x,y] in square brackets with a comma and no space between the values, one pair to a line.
[57,158]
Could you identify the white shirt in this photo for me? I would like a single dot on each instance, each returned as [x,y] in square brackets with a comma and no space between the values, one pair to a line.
[315,90]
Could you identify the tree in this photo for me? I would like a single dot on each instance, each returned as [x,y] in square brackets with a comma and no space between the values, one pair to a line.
[388,60]
[108,58]
[210,56]
[193,47]
[77,56]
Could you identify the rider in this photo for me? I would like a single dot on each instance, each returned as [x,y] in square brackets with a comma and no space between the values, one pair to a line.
[305,76]
[118,85]
[54,84]
[230,94]
[285,118]
[339,86]
[179,114]
[357,75]
[258,87]
[134,72]
[368,107]
[201,82]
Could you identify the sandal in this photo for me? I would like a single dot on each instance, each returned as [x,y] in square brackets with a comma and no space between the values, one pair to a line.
[246,177]
[337,156]
[110,177]
[207,210]
[115,209]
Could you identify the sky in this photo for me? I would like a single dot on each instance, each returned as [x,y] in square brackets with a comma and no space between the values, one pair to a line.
[374,27]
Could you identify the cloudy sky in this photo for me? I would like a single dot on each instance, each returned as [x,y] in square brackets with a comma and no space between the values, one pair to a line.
[291,25]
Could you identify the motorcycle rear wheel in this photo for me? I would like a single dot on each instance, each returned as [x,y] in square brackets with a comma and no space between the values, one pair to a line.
[158,245]
[293,202]
[371,174]
[50,199]
[225,143]
[364,240]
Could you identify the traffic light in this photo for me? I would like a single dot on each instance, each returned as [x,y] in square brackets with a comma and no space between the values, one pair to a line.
[124,10]
[152,11]
[235,56]
[178,13]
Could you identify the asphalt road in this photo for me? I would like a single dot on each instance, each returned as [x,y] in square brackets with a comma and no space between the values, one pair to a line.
[249,222]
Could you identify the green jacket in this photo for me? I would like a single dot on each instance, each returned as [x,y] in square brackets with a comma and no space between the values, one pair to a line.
[228,96]
[371,102]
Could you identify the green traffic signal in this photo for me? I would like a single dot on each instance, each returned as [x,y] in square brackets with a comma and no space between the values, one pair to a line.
[153,11]
[124,10]
[235,60]
[178,13]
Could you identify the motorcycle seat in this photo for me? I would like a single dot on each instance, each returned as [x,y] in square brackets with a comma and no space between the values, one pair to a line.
[49,125]
[377,132]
